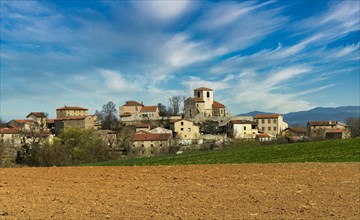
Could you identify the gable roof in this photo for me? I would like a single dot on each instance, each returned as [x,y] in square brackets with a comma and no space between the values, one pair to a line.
[243,122]
[132,103]
[38,114]
[218,104]
[50,121]
[126,114]
[296,129]
[322,123]
[149,108]
[266,116]
[183,119]
[14,130]
[150,137]
[23,121]
[263,135]
[204,89]
[71,108]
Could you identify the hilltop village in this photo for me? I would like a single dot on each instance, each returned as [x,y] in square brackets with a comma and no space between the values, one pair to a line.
[203,121]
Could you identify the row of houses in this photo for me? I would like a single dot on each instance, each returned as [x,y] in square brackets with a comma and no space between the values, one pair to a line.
[151,137]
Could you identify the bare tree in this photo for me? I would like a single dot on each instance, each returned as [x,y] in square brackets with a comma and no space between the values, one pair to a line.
[354,124]
[108,116]
[176,103]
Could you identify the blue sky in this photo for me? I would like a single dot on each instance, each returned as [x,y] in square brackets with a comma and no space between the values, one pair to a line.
[276,56]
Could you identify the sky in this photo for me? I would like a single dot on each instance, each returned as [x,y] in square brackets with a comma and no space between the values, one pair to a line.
[273,56]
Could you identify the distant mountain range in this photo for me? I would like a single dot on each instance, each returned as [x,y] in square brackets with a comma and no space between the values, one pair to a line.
[316,114]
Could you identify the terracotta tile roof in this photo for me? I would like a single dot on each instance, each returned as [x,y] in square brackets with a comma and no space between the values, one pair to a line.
[132,103]
[23,121]
[50,121]
[218,104]
[14,130]
[70,118]
[37,114]
[264,135]
[177,120]
[198,100]
[203,89]
[297,129]
[336,130]
[243,122]
[126,114]
[149,109]
[150,137]
[71,108]
[322,123]
[266,116]
[142,125]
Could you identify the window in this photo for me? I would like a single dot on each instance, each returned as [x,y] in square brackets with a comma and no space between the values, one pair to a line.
[263,128]
[244,128]
[182,123]
[181,129]
[274,120]
[269,128]
[244,132]
[152,145]
[269,121]
[274,128]
[256,120]
[142,145]
[197,105]
[208,94]
[199,94]
[263,121]
[160,145]
[189,129]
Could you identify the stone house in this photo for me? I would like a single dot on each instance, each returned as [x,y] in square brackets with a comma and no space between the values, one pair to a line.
[262,137]
[13,135]
[272,124]
[185,129]
[242,129]
[327,129]
[132,112]
[39,118]
[24,124]
[150,144]
[108,136]
[74,121]
[294,133]
[203,104]
[160,130]
[71,111]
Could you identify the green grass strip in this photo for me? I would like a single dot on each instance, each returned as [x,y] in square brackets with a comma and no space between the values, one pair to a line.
[253,152]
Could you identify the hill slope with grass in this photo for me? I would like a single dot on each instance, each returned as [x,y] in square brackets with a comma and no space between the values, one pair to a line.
[254,152]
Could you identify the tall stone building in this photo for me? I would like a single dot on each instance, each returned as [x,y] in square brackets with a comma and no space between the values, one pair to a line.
[203,105]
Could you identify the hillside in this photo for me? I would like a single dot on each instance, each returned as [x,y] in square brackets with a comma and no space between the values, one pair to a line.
[317,114]
[254,152]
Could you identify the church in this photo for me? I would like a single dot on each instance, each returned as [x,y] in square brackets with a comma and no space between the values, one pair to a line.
[203,105]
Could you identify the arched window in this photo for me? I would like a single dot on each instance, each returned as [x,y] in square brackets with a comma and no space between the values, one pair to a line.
[199,94]
[208,94]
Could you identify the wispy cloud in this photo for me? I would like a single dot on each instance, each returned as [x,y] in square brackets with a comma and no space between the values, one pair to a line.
[254,54]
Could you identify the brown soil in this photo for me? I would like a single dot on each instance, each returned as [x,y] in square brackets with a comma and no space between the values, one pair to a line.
[247,191]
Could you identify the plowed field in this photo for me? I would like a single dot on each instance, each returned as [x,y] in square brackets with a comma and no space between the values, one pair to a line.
[245,191]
